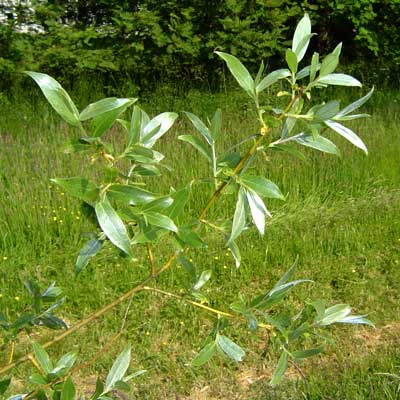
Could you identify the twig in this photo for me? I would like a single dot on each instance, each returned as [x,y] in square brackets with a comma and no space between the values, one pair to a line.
[151,258]
[303,376]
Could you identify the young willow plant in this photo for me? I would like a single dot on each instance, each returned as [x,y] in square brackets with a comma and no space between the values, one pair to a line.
[135,219]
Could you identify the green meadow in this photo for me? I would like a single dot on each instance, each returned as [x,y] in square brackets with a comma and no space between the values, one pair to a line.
[341,218]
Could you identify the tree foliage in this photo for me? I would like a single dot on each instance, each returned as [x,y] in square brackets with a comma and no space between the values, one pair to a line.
[152,40]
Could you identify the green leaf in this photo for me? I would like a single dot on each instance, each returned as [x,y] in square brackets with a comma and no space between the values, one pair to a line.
[239,218]
[353,106]
[112,226]
[287,148]
[262,186]
[315,65]
[4,384]
[272,78]
[203,279]
[231,349]
[301,37]
[89,250]
[42,357]
[104,106]
[291,60]
[68,390]
[134,127]
[234,249]
[205,354]
[118,369]
[37,379]
[339,79]
[64,364]
[216,124]
[103,122]
[188,267]
[288,274]
[333,314]
[257,209]
[280,369]
[299,355]
[190,238]
[131,195]
[156,128]
[142,154]
[57,97]
[99,389]
[328,65]
[197,144]
[326,111]
[80,188]
[146,170]
[200,127]
[181,197]
[160,220]
[347,134]
[319,143]
[239,71]
[356,319]
[159,204]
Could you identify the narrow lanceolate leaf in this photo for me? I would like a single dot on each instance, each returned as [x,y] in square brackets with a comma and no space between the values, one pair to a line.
[300,354]
[57,97]
[104,106]
[327,111]
[288,274]
[234,249]
[159,204]
[314,67]
[319,143]
[198,145]
[328,65]
[205,354]
[239,71]
[216,124]
[239,218]
[89,250]
[160,220]
[287,148]
[353,106]
[340,80]
[355,319]
[291,60]
[157,127]
[101,123]
[301,37]
[258,210]
[272,78]
[190,238]
[112,226]
[280,369]
[131,195]
[181,197]
[333,314]
[68,390]
[80,188]
[203,279]
[347,134]
[118,369]
[262,186]
[200,127]
[231,349]
[134,127]
[42,358]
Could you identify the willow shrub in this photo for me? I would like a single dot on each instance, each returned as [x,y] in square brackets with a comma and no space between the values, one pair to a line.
[135,219]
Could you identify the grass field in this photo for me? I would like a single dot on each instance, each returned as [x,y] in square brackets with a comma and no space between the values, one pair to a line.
[341,217]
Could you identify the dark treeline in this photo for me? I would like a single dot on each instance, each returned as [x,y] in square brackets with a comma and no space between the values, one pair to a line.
[151,40]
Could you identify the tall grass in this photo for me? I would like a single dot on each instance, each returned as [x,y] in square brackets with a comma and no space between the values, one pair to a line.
[341,217]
